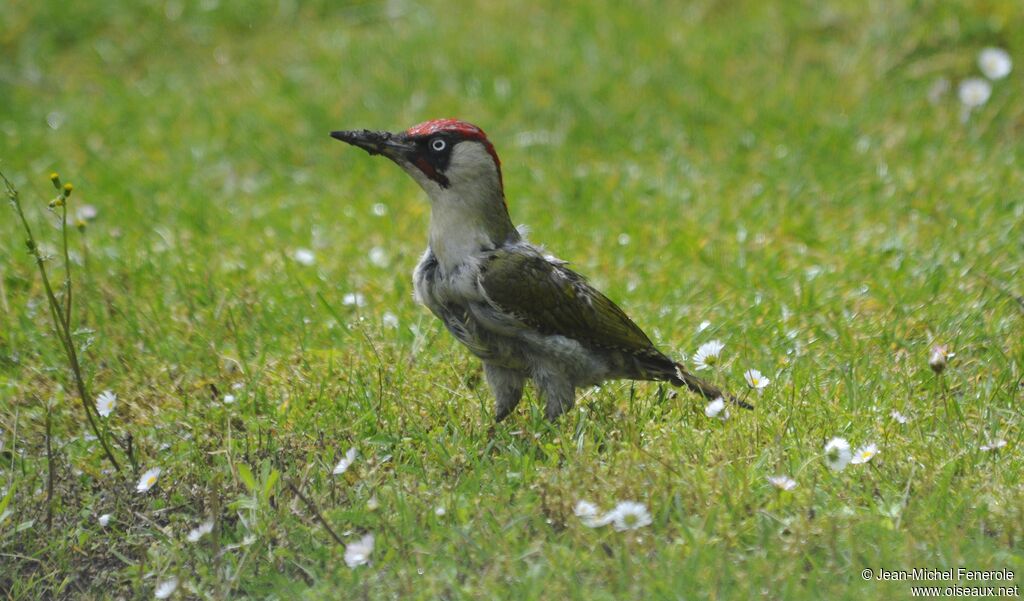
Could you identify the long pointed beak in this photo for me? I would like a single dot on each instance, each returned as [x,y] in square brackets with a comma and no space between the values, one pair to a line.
[376,142]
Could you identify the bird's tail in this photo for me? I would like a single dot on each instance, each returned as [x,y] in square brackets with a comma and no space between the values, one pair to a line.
[705,389]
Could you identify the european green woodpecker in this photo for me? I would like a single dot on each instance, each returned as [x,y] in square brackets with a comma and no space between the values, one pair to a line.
[516,307]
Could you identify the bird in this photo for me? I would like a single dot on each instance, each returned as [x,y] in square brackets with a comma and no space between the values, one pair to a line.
[523,312]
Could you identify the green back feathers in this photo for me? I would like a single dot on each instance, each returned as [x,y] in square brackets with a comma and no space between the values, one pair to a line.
[556,300]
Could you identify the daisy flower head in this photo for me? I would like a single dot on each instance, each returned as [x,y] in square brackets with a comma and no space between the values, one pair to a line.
[717,409]
[358,553]
[166,588]
[585,509]
[148,479]
[974,92]
[346,462]
[938,358]
[837,454]
[782,482]
[629,515]
[104,519]
[995,63]
[707,354]
[200,531]
[378,256]
[304,256]
[588,513]
[864,454]
[105,403]
[993,445]
[353,299]
[86,212]
[756,380]
[899,417]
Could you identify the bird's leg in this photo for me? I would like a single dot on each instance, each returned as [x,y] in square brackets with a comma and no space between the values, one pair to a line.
[507,386]
[558,392]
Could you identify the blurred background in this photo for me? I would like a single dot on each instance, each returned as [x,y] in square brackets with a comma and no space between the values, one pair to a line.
[830,187]
[799,133]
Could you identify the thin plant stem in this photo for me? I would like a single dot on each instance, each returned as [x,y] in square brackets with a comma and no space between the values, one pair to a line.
[49,468]
[62,325]
[316,513]
[67,262]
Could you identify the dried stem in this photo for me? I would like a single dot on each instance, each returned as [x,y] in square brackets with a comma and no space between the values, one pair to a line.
[49,469]
[316,514]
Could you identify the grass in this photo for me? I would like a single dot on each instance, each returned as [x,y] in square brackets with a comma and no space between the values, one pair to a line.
[776,169]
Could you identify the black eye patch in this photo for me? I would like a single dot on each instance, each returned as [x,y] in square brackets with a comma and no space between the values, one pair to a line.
[433,155]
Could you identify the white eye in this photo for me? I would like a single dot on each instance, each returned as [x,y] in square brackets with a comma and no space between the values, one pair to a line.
[438,144]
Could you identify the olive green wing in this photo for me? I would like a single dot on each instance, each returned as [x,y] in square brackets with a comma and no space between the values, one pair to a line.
[555,300]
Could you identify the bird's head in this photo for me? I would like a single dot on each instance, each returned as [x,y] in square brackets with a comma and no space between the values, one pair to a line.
[448,158]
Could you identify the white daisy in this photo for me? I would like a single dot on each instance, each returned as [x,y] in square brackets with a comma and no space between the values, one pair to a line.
[358,553]
[87,212]
[378,256]
[353,299]
[995,63]
[864,454]
[993,445]
[837,454]
[304,256]
[200,531]
[756,380]
[974,92]
[585,509]
[105,403]
[899,417]
[380,209]
[104,519]
[440,511]
[717,409]
[588,513]
[345,462]
[782,482]
[148,479]
[707,354]
[229,398]
[166,588]
[629,515]
[938,358]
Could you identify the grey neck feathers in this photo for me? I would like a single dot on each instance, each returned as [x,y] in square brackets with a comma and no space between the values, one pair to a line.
[464,220]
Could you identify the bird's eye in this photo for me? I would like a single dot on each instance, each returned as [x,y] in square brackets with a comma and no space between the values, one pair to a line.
[438,145]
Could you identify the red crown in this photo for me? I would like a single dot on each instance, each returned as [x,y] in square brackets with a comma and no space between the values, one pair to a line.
[427,128]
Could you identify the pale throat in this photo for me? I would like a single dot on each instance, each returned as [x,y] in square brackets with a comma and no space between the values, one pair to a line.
[461,227]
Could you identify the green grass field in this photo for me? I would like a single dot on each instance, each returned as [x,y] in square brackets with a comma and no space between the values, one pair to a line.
[790,172]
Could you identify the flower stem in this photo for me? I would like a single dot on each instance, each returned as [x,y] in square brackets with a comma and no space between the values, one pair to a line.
[61,316]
